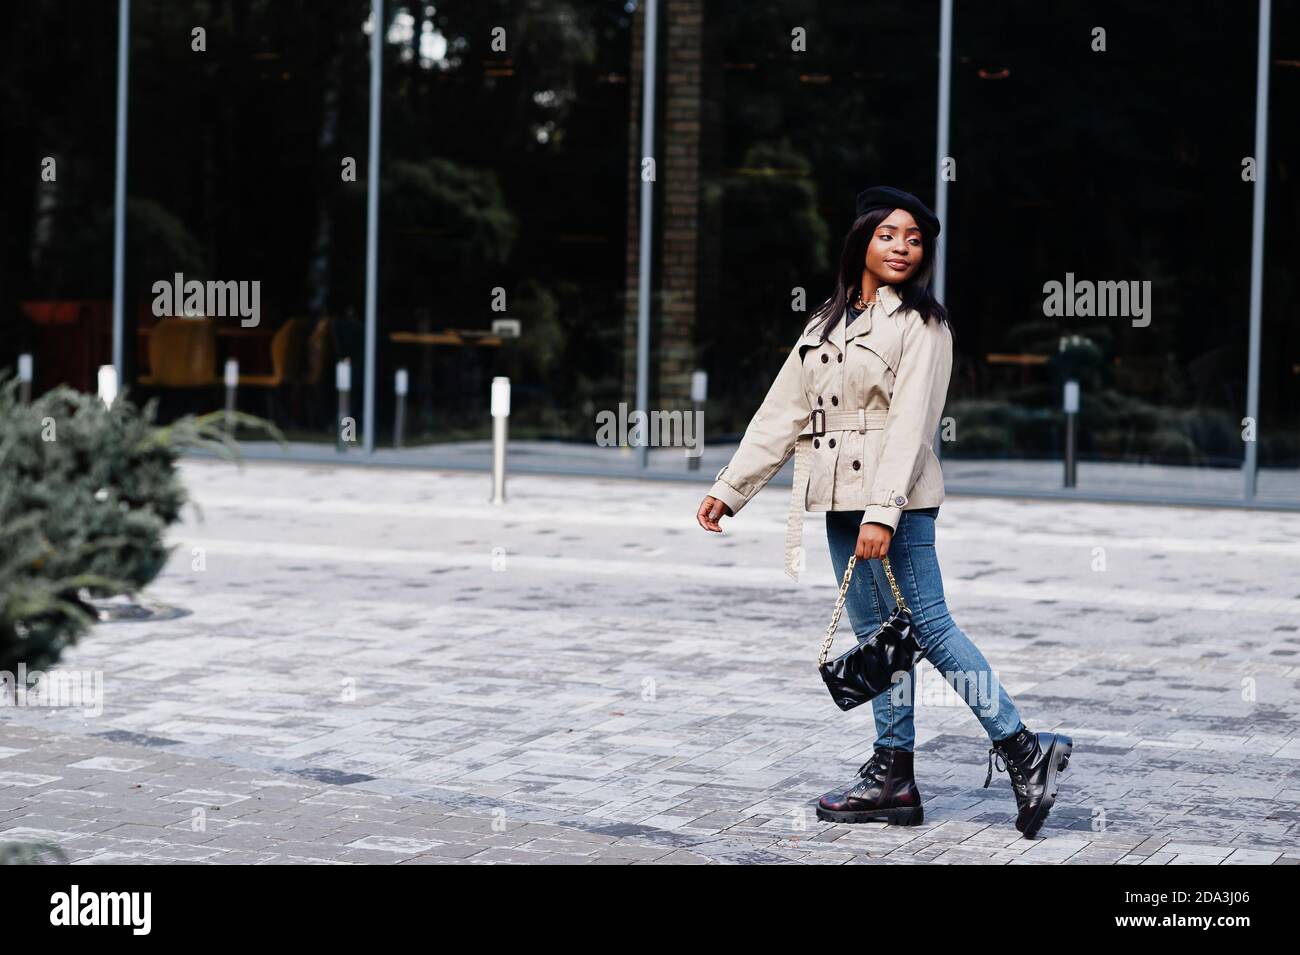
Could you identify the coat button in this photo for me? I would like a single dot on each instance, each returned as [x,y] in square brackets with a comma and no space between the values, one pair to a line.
[831,442]
[817,442]
[857,465]
[839,357]
[900,500]
[834,400]
[825,359]
[819,399]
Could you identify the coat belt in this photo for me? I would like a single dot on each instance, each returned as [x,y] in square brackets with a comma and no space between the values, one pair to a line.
[824,422]
[860,420]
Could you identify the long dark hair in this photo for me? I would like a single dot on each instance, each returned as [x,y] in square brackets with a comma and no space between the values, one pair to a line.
[915,292]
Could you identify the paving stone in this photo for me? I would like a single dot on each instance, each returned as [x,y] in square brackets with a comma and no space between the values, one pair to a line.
[332,698]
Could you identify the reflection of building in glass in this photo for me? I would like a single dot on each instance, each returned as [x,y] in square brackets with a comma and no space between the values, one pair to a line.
[510,186]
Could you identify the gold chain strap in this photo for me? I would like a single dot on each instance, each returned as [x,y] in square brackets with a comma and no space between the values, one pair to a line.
[893,585]
[839,603]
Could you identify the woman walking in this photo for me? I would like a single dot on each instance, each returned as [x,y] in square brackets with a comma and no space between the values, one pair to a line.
[858,402]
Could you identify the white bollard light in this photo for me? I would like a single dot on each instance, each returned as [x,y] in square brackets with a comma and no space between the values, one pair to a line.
[699,395]
[500,409]
[401,385]
[25,377]
[232,384]
[699,385]
[1070,401]
[343,382]
[107,382]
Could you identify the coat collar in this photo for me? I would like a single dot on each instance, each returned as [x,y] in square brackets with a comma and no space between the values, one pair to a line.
[889,300]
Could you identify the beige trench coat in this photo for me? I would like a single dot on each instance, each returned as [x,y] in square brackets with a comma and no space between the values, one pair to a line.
[859,413]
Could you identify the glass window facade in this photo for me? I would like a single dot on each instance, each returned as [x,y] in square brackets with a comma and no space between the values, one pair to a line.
[1103,153]
[1279,367]
[56,190]
[239,139]
[503,219]
[1100,153]
[798,120]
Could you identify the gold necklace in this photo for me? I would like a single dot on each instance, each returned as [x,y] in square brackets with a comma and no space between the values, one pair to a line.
[860,305]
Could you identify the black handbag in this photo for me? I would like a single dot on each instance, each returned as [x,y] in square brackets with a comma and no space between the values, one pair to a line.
[870,668]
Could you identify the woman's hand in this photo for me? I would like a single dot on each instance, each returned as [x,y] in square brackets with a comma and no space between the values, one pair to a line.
[711,511]
[873,541]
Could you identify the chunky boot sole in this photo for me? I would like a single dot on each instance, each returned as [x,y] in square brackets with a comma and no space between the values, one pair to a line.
[1057,759]
[901,816]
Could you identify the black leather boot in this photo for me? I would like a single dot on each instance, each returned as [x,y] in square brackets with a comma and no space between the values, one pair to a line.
[1033,761]
[884,792]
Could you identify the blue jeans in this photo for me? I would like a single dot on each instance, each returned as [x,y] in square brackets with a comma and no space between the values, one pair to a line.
[869,601]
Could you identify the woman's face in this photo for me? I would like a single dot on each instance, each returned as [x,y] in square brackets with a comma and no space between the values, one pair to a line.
[894,252]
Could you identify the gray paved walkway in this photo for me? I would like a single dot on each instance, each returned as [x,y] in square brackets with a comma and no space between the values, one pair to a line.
[1000,477]
[380,666]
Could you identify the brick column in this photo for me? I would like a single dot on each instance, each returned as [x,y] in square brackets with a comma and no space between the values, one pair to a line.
[677,188]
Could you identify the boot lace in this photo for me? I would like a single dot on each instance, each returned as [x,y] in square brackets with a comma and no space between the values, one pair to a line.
[1005,765]
[875,761]
[865,775]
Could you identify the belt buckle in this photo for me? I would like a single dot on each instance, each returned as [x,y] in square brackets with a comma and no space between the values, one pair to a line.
[813,422]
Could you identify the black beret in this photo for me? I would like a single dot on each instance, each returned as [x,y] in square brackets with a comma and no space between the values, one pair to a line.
[887,197]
